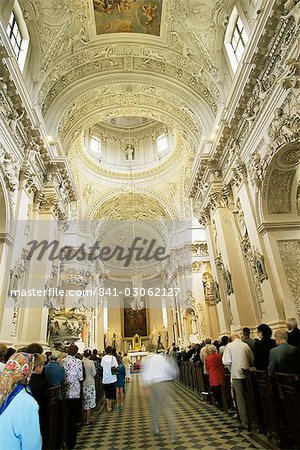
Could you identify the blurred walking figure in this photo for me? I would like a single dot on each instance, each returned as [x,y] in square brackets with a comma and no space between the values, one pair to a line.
[157,372]
[127,363]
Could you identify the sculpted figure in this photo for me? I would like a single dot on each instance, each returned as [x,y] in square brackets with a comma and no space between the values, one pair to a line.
[164,338]
[118,339]
[109,337]
[129,152]
[154,335]
[194,324]
[292,9]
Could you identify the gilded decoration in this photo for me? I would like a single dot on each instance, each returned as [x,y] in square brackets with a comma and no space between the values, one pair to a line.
[128,16]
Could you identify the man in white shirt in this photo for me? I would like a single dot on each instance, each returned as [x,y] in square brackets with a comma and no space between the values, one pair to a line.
[237,356]
[157,371]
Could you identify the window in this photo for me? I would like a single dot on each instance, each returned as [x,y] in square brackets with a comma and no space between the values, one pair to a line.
[162,144]
[18,35]
[238,39]
[235,39]
[95,146]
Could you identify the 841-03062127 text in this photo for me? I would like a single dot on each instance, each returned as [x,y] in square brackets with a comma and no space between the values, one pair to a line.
[139,292]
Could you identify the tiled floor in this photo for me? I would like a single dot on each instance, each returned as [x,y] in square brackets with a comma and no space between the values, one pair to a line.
[197,425]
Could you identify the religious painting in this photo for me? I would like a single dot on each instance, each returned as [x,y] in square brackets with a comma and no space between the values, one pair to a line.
[128,16]
[135,321]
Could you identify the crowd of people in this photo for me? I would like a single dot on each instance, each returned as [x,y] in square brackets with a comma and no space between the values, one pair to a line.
[27,375]
[237,352]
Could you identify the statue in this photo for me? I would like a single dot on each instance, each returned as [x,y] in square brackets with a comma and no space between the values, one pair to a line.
[281,124]
[10,170]
[208,286]
[129,152]
[109,337]
[292,9]
[14,118]
[117,339]
[154,335]
[194,324]
[164,337]
[228,281]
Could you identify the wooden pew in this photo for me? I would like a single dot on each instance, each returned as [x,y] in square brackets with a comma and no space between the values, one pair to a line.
[270,405]
[290,388]
[254,404]
[53,438]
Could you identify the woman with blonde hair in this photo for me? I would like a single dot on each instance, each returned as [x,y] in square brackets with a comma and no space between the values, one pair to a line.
[216,373]
[19,418]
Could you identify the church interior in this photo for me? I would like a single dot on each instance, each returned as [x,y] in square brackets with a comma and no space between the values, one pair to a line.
[149,185]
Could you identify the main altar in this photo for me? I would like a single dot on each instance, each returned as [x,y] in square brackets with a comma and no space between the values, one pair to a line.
[137,349]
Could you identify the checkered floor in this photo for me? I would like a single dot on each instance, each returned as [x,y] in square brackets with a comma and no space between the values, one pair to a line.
[197,425]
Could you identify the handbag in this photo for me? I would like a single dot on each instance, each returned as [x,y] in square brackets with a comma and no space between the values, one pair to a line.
[114,370]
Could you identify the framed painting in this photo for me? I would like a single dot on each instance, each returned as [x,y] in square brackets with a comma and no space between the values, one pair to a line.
[128,16]
[134,322]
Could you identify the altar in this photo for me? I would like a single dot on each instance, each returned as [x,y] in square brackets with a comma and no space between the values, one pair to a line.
[137,356]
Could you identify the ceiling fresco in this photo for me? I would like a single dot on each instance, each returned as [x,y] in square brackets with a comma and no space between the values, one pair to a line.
[128,16]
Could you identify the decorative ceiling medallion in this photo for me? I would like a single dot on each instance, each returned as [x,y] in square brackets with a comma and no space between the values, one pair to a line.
[128,16]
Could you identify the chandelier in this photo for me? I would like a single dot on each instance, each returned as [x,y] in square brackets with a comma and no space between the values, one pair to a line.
[136,279]
[137,304]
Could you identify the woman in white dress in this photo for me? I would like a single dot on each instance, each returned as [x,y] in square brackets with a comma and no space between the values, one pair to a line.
[89,390]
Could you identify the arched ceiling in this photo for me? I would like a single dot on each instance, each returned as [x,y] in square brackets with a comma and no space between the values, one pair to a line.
[168,56]
[96,61]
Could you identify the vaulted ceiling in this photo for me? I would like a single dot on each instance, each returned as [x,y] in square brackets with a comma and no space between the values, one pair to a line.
[93,61]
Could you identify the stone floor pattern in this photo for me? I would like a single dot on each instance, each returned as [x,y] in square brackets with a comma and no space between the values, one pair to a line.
[197,425]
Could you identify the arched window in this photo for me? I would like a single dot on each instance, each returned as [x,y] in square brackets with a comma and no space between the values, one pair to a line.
[236,39]
[18,35]
[95,146]
[162,144]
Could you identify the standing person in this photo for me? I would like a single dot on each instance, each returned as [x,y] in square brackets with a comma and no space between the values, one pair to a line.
[9,353]
[283,358]
[203,353]
[216,373]
[3,351]
[157,372]
[89,390]
[120,384]
[38,386]
[237,356]
[127,364]
[54,372]
[224,342]
[73,377]
[246,338]
[294,332]
[109,379]
[19,418]
[263,347]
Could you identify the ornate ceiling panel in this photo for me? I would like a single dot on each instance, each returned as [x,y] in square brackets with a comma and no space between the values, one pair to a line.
[128,16]
[131,206]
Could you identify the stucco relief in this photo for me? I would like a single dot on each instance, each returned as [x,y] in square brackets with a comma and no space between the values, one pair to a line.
[167,102]
[279,178]
[290,256]
[279,198]
[141,57]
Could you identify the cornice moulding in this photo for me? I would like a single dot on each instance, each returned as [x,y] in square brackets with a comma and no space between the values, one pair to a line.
[264,228]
